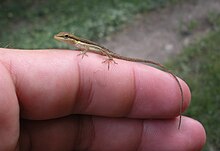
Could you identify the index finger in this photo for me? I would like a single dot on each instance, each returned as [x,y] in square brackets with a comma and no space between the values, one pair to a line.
[55,83]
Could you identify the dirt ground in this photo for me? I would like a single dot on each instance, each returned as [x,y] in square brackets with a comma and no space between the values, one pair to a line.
[162,34]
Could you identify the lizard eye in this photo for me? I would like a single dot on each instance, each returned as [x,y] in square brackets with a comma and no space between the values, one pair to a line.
[66,36]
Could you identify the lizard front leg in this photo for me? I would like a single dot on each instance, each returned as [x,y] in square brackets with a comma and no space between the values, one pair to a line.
[83,53]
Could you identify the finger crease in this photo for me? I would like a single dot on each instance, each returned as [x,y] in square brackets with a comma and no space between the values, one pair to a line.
[83,100]
[86,132]
[141,137]
[134,94]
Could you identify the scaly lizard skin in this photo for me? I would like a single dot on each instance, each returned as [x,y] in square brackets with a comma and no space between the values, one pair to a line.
[85,45]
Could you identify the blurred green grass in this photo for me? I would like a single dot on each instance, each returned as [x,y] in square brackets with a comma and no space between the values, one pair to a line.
[32,24]
[199,65]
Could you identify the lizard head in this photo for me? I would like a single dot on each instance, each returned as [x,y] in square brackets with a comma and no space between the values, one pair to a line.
[66,37]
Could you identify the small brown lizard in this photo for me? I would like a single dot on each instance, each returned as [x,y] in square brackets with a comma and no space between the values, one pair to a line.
[85,46]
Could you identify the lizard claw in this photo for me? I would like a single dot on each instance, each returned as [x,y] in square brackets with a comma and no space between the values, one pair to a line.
[82,53]
[108,61]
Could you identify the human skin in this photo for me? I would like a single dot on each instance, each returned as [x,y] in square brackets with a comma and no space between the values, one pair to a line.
[55,100]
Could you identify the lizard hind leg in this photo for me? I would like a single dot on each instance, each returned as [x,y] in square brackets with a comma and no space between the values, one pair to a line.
[108,61]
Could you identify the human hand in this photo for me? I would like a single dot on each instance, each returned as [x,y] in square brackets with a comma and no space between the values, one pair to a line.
[54,100]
